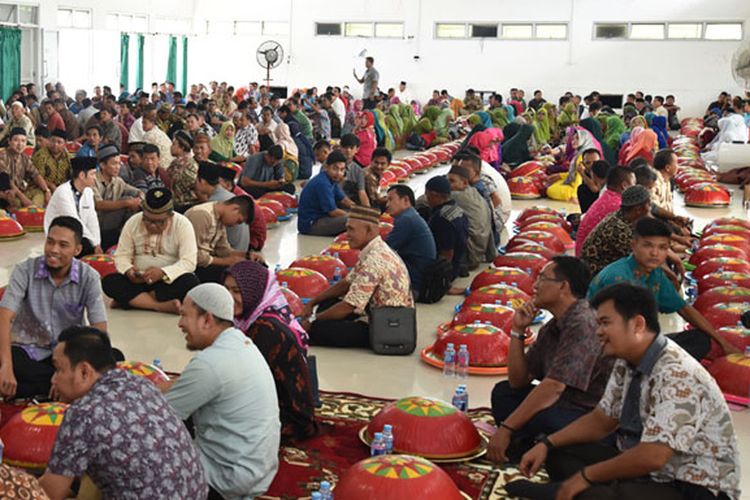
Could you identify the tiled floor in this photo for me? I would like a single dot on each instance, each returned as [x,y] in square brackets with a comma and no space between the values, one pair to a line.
[145,335]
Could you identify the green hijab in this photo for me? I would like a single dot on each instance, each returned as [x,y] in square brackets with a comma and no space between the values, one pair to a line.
[615,128]
[221,145]
[568,116]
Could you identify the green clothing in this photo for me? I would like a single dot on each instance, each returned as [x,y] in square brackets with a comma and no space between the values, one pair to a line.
[305,126]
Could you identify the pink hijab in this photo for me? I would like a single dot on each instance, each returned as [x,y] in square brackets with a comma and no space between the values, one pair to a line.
[486,142]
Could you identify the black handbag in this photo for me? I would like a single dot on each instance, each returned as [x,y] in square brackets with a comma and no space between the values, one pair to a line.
[393,330]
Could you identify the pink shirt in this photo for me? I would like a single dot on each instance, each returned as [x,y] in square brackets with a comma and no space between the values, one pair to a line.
[607,203]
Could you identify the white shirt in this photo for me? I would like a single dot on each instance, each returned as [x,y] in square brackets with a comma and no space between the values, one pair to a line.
[732,128]
[339,109]
[503,191]
[136,131]
[63,202]
[403,97]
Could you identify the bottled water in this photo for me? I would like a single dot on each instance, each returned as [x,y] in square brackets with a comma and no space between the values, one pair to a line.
[157,364]
[316,496]
[462,362]
[284,284]
[377,447]
[388,438]
[691,293]
[337,275]
[325,491]
[465,397]
[458,398]
[277,268]
[449,361]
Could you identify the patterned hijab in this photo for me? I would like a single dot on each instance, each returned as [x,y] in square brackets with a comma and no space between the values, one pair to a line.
[262,295]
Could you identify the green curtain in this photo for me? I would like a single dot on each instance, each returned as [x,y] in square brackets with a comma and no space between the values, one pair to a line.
[10,61]
[125,60]
[184,65]
[172,60]
[139,71]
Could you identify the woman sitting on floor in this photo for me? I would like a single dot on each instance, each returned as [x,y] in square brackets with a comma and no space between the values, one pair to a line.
[222,145]
[642,143]
[262,313]
[564,186]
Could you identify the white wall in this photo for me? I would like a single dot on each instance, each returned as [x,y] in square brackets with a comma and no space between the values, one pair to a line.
[693,70]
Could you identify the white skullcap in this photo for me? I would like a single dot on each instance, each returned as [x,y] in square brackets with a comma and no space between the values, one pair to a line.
[213,298]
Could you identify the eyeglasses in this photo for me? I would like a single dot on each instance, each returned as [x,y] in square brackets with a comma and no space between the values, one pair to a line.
[542,279]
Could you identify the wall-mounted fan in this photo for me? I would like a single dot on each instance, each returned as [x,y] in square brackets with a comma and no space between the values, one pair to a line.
[269,55]
[741,66]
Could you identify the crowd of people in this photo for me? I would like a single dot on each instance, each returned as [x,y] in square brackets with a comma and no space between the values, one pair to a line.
[170,182]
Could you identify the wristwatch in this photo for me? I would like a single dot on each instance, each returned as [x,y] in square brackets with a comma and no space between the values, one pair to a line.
[520,336]
[543,438]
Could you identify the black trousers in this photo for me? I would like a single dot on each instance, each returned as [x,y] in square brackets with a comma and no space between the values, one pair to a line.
[564,462]
[210,274]
[110,237]
[257,192]
[213,494]
[695,342]
[118,287]
[34,378]
[369,103]
[347,332]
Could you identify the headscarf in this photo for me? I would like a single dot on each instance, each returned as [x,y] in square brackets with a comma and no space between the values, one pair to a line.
[516,149]
[638,121]
[659,125]
[595,128]
[485,142]
[649,117]
[500,117]
[283,137]
[486,119]
[568,116]
[615,128]
[511,129]
[542,132]
[220,144]
[586,140]
[644,142]
[261,295]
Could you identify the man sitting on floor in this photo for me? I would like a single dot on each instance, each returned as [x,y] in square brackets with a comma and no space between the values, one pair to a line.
[148,175]
[379,279]
[448,224]
[644,267]
[481,243]
[353,181]
[411,237]
[566,358]
[208,188]
[229,392]
[22,174]
[75,198]
[264,173]
[155,257]
[157,458]
[52,161]
[320,212]
[114,199]
[618,180]
[258,226]
[675,438]
[612,238]
[44,296]
[210,221]
[381,158]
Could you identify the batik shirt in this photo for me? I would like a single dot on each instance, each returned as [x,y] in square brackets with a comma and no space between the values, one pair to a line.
[125,435]
[610,240]
[661,193]
[379,279]
[244,138]
[183,171]
[19,167]
[682,407]
[55,170]
[14,483]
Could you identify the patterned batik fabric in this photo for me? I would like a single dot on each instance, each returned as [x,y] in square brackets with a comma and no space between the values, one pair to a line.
[379,279]
[610,240]
[124,434]
[681,406]
[15,483]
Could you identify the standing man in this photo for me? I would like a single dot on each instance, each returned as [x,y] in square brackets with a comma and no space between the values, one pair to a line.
[44,296]
[229,392]
[675,438]
[370,80]
[75,198]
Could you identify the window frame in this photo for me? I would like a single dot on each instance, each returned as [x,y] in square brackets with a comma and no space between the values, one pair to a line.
[386,37]
[547,39]
[500,25]
[501,35]
[663,31]
[447,23]
[706,25]
[346,24]
[470,30]
[339,23]
[73,11]
[704,29]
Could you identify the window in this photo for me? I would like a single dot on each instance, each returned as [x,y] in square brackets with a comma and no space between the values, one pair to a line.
[389,30]
[73,18]
[8,13]
[359,29]
[27,14]
[552,31]
[275,28]
[448,30]
[647,31]
[518,31]
[328,29]
[723,31]
[247,28]
[610,31]
[484,30]
[684,31]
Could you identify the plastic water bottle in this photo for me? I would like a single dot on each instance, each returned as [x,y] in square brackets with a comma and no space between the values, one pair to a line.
[284,284]
[325,491]
[465,397]
[462,362]
[692,293]
[388,438]
[378,446]
[458,398]
[337,274]
[157,364]
[277,269]
[316,496]
[449,361]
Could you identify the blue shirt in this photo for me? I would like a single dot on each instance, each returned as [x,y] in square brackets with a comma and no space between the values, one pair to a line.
[412,240]
[87,150]
[667,297]
[229,391]
[319,197]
